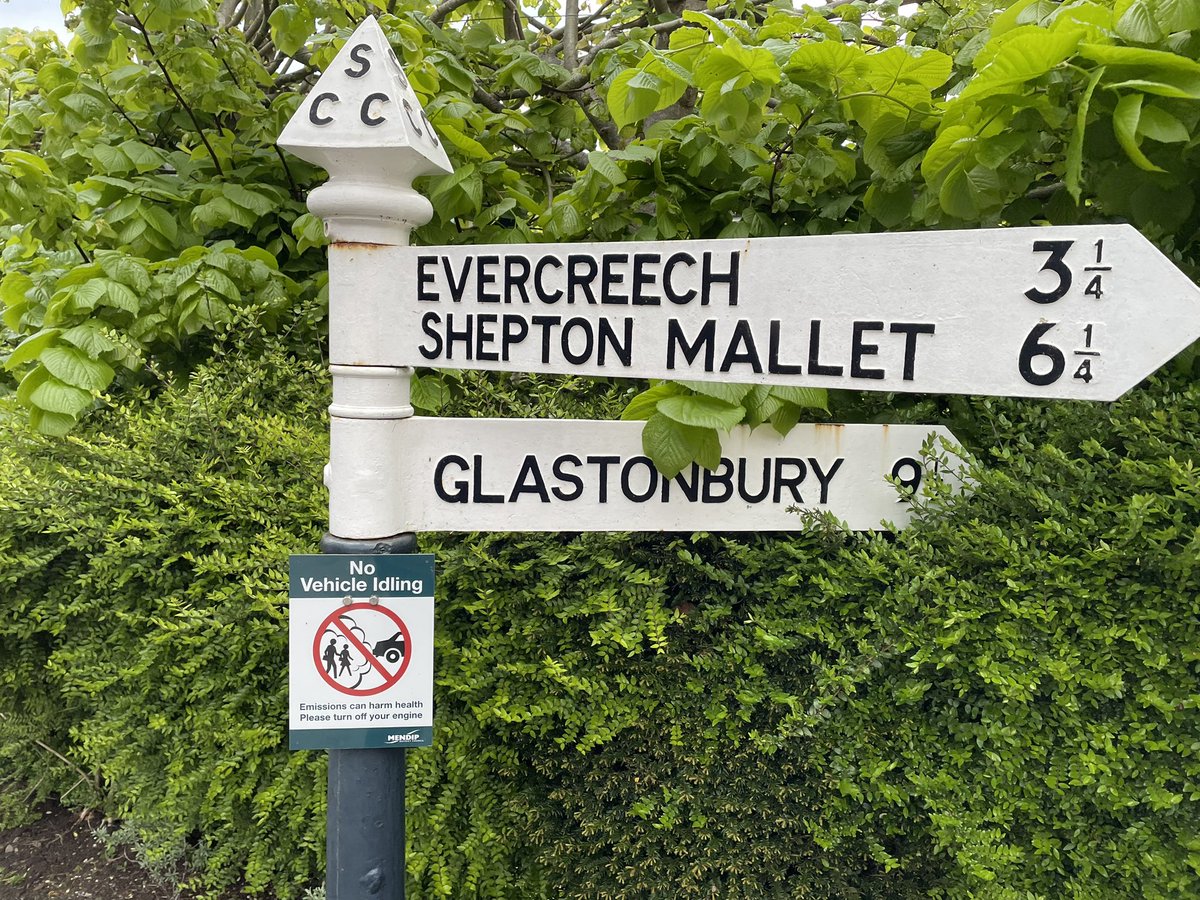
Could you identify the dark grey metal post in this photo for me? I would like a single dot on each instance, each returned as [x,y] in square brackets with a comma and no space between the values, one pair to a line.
[364,824]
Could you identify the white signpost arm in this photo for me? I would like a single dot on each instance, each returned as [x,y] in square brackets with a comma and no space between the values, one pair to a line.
[364,125]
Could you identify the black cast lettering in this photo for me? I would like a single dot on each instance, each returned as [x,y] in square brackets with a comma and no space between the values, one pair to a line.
[765,486]
[485,335]
[791,482]
[774,366]
[576,280]
[705,341]
[314,114]
[427,322]
[461,492]
[603,462]
[463,336]
[669,285]
[610,279]
[456,290]
[608,338]
[743,338]
[823,478]
[408,110]
[529,469]
[483,278]
[546,323]
[815,367]
[513,331]
[512,279]
[691,489]
[364,111]
[642,278]
[574,480]
[708,277]
[578,323]
[477,473]
[723,476]
[538,286]
[356,55]
[858,350]
[424,278]
[651,479]
[910,330]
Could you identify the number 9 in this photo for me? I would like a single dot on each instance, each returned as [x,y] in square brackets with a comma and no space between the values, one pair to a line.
[910,483]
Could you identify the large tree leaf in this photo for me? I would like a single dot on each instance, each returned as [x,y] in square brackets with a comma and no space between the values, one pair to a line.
[1126,118]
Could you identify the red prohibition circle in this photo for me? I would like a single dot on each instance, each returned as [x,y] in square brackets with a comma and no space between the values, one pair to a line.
[333,621]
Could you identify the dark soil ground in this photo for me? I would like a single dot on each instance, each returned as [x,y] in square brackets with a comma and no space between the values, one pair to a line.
[58,857]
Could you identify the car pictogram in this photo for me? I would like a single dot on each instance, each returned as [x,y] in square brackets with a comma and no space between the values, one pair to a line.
[392,649]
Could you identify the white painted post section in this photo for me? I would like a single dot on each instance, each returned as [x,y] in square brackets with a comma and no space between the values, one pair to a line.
[363,123]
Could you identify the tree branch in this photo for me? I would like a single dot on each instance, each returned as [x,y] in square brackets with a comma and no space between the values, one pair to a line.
[178,96]
[444,9]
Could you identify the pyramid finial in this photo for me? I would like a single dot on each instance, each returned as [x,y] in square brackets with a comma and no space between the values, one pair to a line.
[363,124]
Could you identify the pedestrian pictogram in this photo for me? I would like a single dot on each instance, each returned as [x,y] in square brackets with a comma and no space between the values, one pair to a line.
[362,649]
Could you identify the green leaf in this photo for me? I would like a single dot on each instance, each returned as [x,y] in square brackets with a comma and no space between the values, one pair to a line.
[1074,172]
[951,147]
[634,94]
[992,152]
[1027,54]
[111,160]
[827,62]
[605,167]
[291,27]
[673,446]
[926,67]
[1159,125]
[701,411]
[1177,15]
[309,232]
[730,393]
[966,193]
[120,267]
[645,404]
[806,397]
[29,164]
[1126,117]
[429,392]
[90,338]
[1138,24]
[447,128]
[118,295]
[144,158]
[30,348]
[249,200]
[74,367]
[56,396]
[52,423]
[161,221]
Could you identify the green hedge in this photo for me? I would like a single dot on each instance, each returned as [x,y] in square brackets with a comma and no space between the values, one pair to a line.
[998,702]
[143,587]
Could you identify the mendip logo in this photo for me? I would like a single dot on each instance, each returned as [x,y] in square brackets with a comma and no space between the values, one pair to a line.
[402,738]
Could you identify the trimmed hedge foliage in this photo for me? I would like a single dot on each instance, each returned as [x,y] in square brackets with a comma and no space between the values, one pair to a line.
[998,702]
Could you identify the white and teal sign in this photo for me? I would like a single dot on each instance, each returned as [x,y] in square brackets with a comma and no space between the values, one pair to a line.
[361,651]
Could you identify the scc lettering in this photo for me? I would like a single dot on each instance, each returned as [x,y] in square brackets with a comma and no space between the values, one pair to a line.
[568,478]
[368,112]
[365,114]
